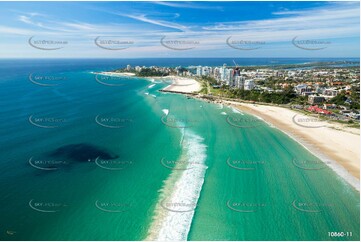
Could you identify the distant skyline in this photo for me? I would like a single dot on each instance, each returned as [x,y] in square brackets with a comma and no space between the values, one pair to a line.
[180,29]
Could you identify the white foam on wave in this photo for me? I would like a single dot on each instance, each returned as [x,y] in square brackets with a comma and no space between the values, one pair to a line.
[153,95]
[165,111]
[182,187]
[146,93]
[150,86]
[236,111]
[223,113]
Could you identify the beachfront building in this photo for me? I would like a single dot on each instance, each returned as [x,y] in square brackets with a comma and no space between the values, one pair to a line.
[217,73]
[249,84]
[313,99]
[203,71]
[239,82]
[199,71]
[227,78]
[222,72]
[206,71]
[301,88]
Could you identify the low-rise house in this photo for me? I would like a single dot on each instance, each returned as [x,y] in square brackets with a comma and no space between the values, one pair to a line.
[306,94]
[316,109]
[329,106]
[330,92]
[301,88]
[313,99]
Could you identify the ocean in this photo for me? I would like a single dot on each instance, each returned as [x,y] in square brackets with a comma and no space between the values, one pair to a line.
[92,157]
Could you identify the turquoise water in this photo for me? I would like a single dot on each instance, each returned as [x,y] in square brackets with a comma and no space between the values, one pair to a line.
[86,161]
[77,184]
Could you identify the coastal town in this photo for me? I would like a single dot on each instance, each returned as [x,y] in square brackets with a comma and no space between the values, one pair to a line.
[329,91]
[318,104]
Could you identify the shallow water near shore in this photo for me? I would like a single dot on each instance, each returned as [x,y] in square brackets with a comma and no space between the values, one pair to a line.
[97,161]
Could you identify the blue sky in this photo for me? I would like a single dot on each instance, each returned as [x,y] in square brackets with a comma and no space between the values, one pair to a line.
[253,29]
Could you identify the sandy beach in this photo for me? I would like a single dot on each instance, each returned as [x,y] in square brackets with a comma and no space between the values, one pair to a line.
[111,73]
[182,85]
[331,142]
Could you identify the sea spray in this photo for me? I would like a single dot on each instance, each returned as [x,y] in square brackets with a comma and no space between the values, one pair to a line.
[165,111]
[180,193]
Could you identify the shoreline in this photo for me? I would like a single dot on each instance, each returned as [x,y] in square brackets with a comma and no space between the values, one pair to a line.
[324,145]
[112,73]
[182,85]
[324,142]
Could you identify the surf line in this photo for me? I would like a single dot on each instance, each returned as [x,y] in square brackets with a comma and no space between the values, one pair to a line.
[179,195]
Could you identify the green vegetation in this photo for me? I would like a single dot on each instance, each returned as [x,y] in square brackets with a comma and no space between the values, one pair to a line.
[144,72]
[284,97]
[339,99]
[352,101]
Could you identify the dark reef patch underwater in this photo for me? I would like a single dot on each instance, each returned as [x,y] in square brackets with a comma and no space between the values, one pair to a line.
[82,152]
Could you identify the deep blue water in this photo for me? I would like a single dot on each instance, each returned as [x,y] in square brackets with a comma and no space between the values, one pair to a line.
[100,64]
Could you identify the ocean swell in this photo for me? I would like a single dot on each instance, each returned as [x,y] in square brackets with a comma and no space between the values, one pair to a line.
[180,193]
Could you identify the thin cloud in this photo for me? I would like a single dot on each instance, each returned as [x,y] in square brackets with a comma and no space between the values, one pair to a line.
[330,21]
[144,18]
[188,5]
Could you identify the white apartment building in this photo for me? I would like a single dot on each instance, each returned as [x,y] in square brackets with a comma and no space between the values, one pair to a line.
[239,81]
[249,84]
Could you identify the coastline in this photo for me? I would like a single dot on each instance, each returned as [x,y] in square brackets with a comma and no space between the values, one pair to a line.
[182,85]
[335,145]
[112,73]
